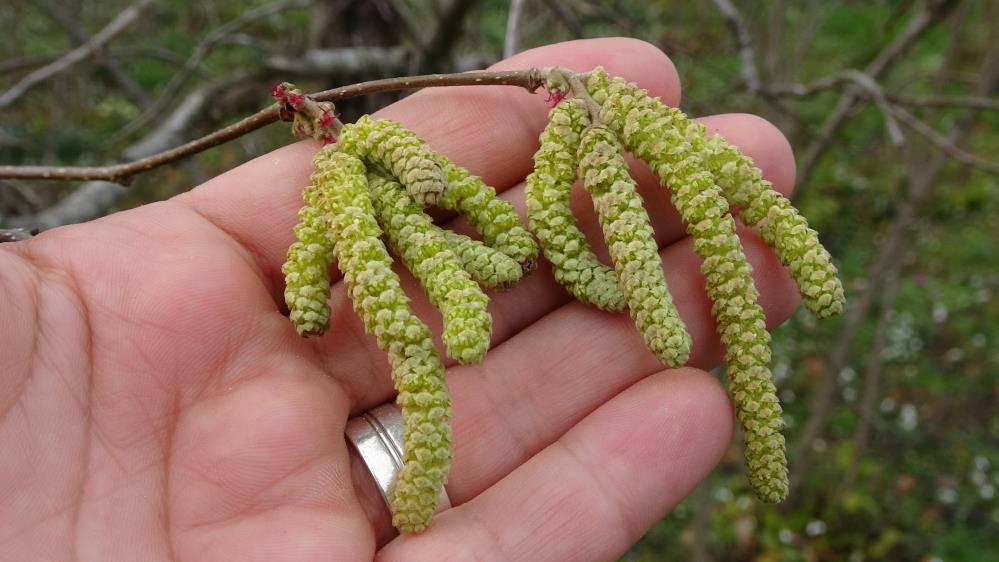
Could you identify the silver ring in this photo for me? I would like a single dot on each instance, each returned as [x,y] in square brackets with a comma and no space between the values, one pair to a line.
[377,437]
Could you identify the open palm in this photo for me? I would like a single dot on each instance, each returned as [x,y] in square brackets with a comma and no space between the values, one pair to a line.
[155,403]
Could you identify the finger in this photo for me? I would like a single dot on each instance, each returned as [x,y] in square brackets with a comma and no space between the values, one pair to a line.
[595,491]
[351,357]
[492,130]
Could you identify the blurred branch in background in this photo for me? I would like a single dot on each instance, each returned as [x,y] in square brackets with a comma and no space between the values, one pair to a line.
[102,54]
[75,56]
[93,199]
[202,50]
[513,28]
[929,14]
[884,268]
[743,43]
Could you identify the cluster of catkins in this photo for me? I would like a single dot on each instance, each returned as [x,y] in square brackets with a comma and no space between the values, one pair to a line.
[368,194]
[376,180]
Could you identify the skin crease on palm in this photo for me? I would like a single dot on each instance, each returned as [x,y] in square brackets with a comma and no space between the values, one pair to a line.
[156,404]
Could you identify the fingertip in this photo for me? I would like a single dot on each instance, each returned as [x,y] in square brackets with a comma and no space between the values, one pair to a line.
[696,403]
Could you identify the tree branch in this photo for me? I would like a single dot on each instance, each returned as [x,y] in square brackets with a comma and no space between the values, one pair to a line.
[530,79]
[81,53]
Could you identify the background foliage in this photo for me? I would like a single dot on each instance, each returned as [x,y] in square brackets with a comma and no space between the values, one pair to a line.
[891,416]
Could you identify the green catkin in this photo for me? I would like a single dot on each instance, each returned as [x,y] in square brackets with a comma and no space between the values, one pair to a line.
[490,268]
[550,217]
[389,145]
[426,253]
[494,218]
[729,283]
[307,279]
[785,229]
[632,245]
[379,300]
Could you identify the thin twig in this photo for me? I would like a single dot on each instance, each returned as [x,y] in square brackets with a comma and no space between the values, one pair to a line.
[873,89]
[81,53]
[744,44]
[530,79]
[579,91]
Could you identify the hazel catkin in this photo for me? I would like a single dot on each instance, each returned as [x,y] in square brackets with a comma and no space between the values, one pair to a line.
[389,145]
[379,300]
[306,271]
[782,227]
[489,267]
[728,280]
[495,219]
[426,253]
[550,217]
[632,245]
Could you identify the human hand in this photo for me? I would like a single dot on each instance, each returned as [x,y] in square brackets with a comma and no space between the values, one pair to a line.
[155,403]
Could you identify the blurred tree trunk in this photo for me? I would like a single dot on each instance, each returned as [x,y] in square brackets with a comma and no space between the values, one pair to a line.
[353,23]
[356,23]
